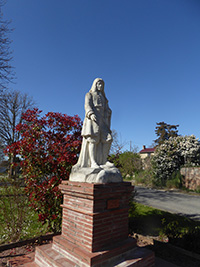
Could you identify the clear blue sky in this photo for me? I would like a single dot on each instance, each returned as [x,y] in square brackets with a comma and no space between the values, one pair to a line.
[147,52]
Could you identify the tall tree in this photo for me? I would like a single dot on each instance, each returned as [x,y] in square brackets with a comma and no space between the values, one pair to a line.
[12,105]
[164,131]
[6,70]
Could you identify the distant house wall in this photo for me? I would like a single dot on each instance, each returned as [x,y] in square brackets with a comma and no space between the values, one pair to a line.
[191,177]
[145,155]
[146,152]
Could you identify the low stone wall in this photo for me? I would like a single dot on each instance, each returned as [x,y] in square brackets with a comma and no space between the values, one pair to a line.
[191,177]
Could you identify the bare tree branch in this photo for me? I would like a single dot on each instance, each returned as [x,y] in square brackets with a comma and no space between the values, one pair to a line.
[12,105]
[6,69]
[117,144]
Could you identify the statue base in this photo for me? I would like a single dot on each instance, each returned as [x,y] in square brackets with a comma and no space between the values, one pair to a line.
[94,230]
[103,174]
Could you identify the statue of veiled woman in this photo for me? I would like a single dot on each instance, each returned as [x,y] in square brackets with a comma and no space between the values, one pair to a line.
[97,137]
[92,165]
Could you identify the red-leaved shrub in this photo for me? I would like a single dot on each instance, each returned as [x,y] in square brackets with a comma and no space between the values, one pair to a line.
[48,147]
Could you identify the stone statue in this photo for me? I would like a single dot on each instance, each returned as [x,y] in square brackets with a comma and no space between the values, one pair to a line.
[92,165]
[96,131]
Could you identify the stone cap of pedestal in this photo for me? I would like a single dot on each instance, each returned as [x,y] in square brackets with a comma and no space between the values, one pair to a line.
[95,191]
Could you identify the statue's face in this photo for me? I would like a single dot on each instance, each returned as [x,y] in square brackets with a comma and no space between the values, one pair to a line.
[100,86]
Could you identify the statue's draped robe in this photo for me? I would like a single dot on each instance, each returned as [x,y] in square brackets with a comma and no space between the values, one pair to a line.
[95,132]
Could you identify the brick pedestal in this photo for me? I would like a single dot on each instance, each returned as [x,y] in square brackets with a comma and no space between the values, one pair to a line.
[94,215]
[94,229]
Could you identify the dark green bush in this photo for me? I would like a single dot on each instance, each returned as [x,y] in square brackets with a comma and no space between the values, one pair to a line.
[176,180]
[188,239]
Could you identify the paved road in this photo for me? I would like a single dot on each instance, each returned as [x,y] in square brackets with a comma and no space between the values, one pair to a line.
[182,204]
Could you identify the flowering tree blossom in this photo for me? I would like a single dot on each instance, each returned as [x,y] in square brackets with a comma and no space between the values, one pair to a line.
[190,149]
[174,153]
[48,147]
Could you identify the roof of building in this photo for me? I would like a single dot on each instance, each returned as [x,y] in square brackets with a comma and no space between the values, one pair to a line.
[148,150]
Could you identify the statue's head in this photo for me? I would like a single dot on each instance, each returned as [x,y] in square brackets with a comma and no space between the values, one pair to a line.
[98,85]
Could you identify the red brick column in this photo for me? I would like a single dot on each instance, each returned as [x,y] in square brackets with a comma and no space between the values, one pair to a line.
[95,216]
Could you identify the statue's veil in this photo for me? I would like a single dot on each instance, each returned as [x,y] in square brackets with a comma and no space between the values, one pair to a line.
[94,86]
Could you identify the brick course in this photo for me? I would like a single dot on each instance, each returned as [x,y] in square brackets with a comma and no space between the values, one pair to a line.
[95,215]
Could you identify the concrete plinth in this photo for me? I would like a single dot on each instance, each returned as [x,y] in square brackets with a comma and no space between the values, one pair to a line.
[94,229]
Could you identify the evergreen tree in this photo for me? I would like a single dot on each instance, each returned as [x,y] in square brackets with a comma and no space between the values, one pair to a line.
[164,131]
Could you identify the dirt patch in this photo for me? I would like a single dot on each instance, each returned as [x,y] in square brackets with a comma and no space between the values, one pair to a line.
[143,241]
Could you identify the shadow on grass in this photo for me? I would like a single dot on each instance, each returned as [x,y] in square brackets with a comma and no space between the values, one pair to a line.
[149,221]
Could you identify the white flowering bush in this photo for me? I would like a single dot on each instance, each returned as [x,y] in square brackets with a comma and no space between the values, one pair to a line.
[190,150]
[166,160]
[172,154]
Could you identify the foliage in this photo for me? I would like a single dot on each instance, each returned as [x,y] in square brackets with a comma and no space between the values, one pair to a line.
[176,180]
[164,131]
[131,163]
[17,219]
[171,229]
[145,177]
[114,158]
[197,189]
[187,238]
[13,208]
[48,147]
[172,154]
[165,161]
[190,150]
[150,221]
[128,163]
